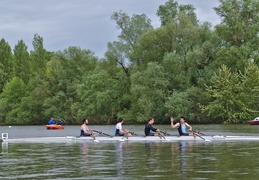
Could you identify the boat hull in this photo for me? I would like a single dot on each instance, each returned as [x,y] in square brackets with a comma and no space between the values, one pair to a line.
[54,127]
[132,138]
[253,122]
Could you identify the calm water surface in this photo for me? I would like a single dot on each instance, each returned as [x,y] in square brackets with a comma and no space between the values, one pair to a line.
[130,160]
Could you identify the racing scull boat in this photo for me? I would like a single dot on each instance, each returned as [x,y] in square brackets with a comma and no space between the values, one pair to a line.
[132,138]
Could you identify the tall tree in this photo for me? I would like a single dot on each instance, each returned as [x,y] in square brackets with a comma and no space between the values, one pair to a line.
[172,11]
[22,63]
[239,30]
[6,63]
[240,21]
[231,94]
[11,97]
[99,95]
[149,90]
[38,56]
[131,29]
[65,72]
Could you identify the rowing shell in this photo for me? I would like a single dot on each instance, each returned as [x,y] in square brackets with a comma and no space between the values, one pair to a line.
[132,138]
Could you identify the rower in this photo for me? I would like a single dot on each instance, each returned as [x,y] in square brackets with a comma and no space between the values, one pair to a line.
[182,126]
[149,129]
[119,131]
[85,131]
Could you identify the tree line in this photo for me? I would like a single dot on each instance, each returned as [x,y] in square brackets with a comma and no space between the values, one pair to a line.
[184,67]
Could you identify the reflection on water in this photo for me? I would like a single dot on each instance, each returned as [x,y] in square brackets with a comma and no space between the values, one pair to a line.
[120,153]
[4,147]
[183,149]
[130,160]
[85,158]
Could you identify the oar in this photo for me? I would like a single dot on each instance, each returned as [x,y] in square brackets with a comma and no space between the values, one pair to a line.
[133,133]
[125,135]
[165,133]
[160,134]
[100,132]
[194,131]
[95,140]
[197,134]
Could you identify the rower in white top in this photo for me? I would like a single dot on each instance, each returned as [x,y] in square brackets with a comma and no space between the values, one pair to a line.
[119,131]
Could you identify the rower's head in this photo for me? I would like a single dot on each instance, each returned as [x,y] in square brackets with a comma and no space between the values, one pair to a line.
[151,120]
[120,120]
[85,121]
[182,119]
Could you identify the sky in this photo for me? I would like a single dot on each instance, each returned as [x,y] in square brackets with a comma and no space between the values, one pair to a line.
[83,23]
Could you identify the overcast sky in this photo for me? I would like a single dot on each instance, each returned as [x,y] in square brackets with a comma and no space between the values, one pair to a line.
[83,23]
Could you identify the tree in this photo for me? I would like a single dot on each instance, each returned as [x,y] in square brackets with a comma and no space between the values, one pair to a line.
[239,30]
[65,71]
[6,63]
[171,11]
[187,103]
[99,96]
[230,96]
[22,63]
[131,29]
[240,21]
[184,51]
[251,84]
[11,97]
[38,56]
[149,90]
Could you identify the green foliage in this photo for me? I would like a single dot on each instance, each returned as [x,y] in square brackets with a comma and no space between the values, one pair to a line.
[11,98]
[149,89]
[99,95]
[38,55]
[6,63]
[22,65]
[187,103]
[132,29]
[171,11]
[240,21]
[230,91]
[65,71]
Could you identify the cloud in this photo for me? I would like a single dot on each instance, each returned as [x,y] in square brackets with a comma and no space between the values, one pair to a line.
[82,23]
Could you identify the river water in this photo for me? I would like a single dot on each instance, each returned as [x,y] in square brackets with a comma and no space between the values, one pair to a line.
[129,160]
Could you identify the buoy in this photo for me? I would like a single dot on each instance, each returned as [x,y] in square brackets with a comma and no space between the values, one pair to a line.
[4,135]
[10,126]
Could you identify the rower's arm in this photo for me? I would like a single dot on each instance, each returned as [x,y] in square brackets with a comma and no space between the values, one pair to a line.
[86,131]
[121,131]
[172,123]
[190,127]
[153,129]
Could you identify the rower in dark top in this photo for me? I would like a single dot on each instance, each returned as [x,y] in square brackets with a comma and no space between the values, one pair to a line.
[85,131]
[181,126]
[149,129]
[61,122]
